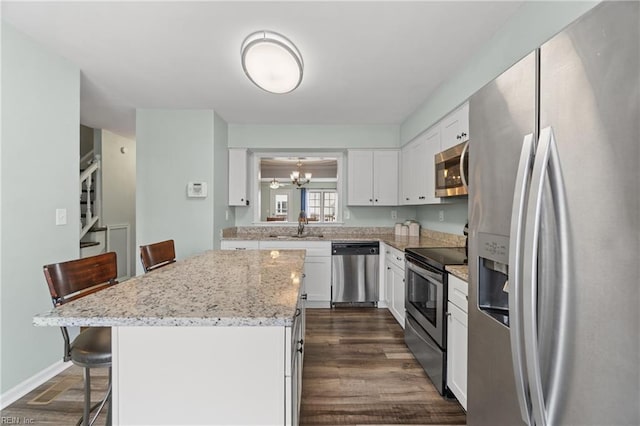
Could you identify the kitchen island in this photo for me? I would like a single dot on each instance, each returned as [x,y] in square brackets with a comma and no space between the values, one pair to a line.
[212,339]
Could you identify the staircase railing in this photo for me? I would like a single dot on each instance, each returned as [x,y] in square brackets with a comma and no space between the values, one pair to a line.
[90,183]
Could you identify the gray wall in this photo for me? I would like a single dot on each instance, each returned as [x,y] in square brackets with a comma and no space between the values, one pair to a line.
[174,147]
[119,188]
[223,216]
[40,172]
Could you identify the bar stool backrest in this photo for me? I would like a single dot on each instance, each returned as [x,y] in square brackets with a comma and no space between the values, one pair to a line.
[77,278]
[157,255]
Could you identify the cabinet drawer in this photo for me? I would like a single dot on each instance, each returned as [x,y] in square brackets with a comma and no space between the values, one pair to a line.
[313,248]
[394,256]
[239,245]
[458,292]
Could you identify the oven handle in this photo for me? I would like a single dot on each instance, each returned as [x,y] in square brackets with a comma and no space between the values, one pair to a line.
[436,277]
[462,157]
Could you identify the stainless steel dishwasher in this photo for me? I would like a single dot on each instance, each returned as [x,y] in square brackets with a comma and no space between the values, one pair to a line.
[354,273]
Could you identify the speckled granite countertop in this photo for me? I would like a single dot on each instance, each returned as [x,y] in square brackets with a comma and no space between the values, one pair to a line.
[460,271]
[427,238]
[215,288]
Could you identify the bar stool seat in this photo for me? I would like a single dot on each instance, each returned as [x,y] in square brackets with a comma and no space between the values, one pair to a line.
[92,348]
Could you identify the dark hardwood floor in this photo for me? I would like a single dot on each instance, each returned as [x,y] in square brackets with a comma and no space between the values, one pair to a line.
[358,370]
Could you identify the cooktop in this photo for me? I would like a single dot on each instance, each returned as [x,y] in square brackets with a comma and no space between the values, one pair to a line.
[439,257]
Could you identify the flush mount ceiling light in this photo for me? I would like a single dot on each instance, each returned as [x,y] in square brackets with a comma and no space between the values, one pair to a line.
[274,184]
[272,62]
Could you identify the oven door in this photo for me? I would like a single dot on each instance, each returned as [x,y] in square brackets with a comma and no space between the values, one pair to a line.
[425,299]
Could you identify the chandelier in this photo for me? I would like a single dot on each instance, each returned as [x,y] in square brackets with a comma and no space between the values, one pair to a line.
[274,184]
[296,176]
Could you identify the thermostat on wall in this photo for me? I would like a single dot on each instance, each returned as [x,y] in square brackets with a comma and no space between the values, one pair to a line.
[197,189]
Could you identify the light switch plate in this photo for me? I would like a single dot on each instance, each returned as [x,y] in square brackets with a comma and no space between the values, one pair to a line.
[61,217]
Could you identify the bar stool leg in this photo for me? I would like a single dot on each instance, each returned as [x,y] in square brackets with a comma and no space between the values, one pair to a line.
[87,397]
[110,396]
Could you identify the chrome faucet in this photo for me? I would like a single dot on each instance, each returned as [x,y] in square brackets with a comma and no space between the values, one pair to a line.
[302,219]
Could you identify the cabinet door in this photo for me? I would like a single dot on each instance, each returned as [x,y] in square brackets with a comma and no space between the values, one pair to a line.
[238,177]
[388,285]
[385,178]
[317,271]
[432,147]
[398,294]
[457,353]
[360,178]
[455,127]
[412,170]
[418,167]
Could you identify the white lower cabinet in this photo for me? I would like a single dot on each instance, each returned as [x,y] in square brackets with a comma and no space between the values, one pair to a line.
[394,282]
[317,268]
[457,339]
[295,359]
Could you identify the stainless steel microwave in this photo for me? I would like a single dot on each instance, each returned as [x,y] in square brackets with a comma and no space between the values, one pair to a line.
[452,167]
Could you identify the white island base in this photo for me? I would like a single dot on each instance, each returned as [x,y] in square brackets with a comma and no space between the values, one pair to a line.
[201,375]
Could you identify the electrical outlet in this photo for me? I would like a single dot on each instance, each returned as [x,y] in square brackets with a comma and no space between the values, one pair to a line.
[394,214]
[441,215]
[347,214]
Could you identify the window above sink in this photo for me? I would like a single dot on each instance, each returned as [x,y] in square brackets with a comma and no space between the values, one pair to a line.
[280,196]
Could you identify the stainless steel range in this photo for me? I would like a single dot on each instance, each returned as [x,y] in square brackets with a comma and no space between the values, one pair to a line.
[425,302]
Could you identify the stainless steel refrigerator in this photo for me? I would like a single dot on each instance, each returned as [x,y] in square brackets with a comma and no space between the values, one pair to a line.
[554,300]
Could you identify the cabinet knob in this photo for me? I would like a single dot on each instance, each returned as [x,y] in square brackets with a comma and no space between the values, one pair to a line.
[407,199]
[463,134]
[370,200]
[448,314]
[458,137]
[304,296]
[376,200]
[388,267]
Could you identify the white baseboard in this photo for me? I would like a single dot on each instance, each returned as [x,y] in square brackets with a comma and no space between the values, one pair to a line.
[382,304]
[21,389]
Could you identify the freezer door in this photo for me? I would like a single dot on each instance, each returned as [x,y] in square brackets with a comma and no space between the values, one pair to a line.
[500,115]
[589,94]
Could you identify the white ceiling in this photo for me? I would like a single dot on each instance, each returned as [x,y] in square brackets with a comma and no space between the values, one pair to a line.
[365,62]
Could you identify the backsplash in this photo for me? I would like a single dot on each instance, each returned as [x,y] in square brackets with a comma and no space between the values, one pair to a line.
[257,232]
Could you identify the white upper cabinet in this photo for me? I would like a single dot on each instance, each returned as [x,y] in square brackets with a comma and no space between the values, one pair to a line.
[455,127]
[372,177]
[238,177]
[418,168]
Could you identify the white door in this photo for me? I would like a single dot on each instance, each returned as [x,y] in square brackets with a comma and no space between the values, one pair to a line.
[360,178]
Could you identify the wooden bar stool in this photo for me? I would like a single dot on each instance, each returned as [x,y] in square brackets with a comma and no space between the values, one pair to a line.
[157,255]
[92,347]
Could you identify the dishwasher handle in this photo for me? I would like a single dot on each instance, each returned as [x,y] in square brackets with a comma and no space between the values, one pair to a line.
[351,249]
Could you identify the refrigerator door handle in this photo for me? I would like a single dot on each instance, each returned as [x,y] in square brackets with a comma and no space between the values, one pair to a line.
[547,162]
[515,276]
[462,157]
